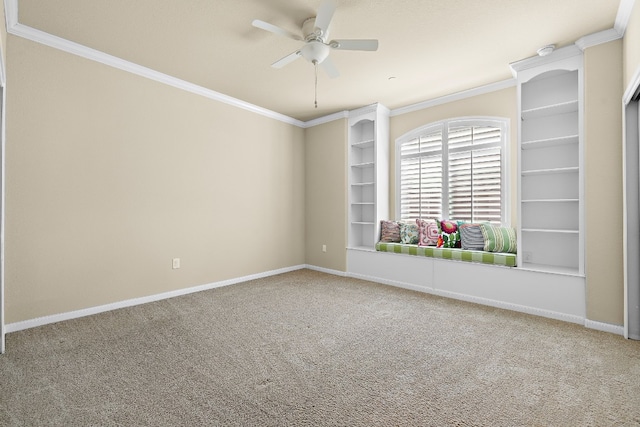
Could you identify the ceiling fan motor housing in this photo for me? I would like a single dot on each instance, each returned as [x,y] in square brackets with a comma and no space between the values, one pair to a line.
[311,32]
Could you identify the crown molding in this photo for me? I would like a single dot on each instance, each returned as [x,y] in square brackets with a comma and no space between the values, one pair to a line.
[481,90]
[535,61]
[37,36]
[32,34]
[11,13]
[623,16]
[326,119]
[371,108]
[595,39]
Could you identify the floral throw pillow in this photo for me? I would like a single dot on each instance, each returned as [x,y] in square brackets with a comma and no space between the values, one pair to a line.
[389,231]
[449,234]
[427,233]
[409,233]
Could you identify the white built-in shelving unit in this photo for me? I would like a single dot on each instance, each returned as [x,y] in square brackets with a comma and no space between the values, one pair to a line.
[550,162]
[368,163]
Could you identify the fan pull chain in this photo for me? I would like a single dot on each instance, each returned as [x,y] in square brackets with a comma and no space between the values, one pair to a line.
[315,99]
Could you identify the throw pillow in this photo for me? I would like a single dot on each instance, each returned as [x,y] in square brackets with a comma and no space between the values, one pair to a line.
[409,233]
[499,239]
[449,234]
[471,237]
[427,233]
[389,231]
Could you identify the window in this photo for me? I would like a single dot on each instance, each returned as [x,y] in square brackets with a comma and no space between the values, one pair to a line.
[454,169]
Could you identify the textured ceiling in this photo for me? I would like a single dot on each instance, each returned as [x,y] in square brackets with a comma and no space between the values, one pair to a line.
[431,47]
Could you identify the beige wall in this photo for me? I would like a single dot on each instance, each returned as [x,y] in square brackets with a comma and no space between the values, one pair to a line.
[326,194]
[501,103]
[631,45]
[110,175]
[603,182]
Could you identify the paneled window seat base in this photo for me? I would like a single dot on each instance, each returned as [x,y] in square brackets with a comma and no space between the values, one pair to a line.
[554,295]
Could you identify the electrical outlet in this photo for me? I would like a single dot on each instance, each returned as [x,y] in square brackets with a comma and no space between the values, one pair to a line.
[527,256]
[176,263]
[324,248]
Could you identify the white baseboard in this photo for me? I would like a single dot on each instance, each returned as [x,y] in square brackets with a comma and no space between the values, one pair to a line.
[326,270]
[40,321]
[397,284]
[477,300]
[45,320]
[513,307]
[604,327]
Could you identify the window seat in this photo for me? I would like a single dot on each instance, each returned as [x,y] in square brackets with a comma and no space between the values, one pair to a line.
[494,258]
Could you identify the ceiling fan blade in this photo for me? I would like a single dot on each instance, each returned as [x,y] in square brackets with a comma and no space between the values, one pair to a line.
[330,68]
[275,29]
[353,44]
[323,18]
[287,59]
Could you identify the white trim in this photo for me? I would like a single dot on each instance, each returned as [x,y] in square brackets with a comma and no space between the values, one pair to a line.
[40,321]
[598,38]
[112,61]
[458,96]
[473,299]
[623,16]
[3,68]
[481,90]
[536,61]
[604,327]
[326,270]
[368,109]
[15,28]
[11,13]
[34,35]
[326,119]
[633,86]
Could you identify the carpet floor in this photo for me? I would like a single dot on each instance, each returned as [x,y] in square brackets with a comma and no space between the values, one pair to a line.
[311,349]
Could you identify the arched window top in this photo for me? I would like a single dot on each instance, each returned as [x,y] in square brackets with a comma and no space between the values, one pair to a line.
[453,169]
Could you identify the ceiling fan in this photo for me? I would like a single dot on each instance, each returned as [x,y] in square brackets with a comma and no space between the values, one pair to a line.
[315,36]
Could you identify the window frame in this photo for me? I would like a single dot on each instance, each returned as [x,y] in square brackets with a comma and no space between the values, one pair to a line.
[443,125]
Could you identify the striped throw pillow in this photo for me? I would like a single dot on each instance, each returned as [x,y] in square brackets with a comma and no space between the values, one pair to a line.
[471,236]
[499,239]
[389,231]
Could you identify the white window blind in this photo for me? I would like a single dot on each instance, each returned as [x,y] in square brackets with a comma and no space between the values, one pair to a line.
[453,169]
[421,177]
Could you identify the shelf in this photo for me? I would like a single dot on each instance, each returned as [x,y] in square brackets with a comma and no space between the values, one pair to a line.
[363,223]
[363,203]
[573,169]
[549,230]
[363,165]
[550,201]
[550,110]
[363,144]
[550,142]
[361,184]
[570,271]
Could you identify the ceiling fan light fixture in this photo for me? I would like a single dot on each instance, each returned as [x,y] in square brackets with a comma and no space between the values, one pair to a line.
[315,52]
